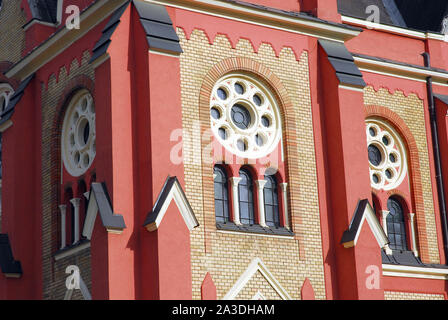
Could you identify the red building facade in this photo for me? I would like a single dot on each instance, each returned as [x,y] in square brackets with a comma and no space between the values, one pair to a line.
[223,149]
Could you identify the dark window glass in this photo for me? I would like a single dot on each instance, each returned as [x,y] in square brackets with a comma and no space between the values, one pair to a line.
[222,94]
[216,114]
[257,100]
[246,198]
[271,207]
[374,155]
[221,196]
[396,229]
[241,116]
[239,88]
[222,133]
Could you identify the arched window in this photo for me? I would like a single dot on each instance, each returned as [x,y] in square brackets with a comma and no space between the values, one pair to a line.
[271,208]
[221,195]
[396,228]
[246,198]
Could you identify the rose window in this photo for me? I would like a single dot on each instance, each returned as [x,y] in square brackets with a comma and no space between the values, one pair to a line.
[78,134]
[387,156]
[245,117]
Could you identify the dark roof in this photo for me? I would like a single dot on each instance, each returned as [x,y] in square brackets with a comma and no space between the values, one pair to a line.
[442,98]
[15,99]
[9,266]
[343,63]
[350,234]
[422,15]
[230,226]
[44,10]
[103,43]
[158,26]
[407,258]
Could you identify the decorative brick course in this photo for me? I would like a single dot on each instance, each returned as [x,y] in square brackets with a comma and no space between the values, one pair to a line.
[395,295]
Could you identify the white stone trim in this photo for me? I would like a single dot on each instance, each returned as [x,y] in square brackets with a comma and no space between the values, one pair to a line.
[284,187]
[76,202]
[413,233]
[376,228]
[234,181]
[390,68]
[256,266]
[181,201]
[414,272]
[166,54]
[63,211]
[269,19]
[92,212]
[262,215]
[72,251]
[357,89]
[384,214]
[259,296]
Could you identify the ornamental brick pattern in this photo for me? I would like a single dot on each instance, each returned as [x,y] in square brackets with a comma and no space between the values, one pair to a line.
[395,295]
[54,102]
[257,284]
[12,36]
[410,111]
[226,256]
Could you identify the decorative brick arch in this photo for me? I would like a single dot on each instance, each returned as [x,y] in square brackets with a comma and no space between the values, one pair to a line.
[73,86]
[414,171]
[271,81]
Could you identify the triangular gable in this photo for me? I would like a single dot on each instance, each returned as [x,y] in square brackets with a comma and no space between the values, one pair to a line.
[99,201]
[256,266]
[364,212]
[172,190]
[10,267]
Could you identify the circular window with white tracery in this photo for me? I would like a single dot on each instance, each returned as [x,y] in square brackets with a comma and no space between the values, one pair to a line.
[78,134]
[387,155]
[6,93]
[244,116]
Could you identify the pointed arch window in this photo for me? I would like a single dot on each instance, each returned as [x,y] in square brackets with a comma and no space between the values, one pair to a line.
[396,228]
[271,206]
[246,198]
[221,195]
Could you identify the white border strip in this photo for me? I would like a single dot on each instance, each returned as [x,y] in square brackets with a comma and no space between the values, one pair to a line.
[414,272]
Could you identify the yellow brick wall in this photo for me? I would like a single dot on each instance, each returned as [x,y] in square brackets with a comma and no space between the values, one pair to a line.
[258,284]
[54,275]
[411,110]
[12,36]
[231,254]
[394,295]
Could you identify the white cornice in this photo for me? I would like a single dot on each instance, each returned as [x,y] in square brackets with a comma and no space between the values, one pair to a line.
[393,29]
[398,70]
[61,40]
[258,16]
[414,272]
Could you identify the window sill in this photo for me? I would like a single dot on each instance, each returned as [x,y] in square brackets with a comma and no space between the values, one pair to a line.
[254,229]
[72,250]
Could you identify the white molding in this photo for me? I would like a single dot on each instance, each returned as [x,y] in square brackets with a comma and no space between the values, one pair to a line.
[284,187]
[163,53]
[357,89]
[391,68]
[181,201]
[414,272]
[259,296]
[413,234]
[256,266]
[264,18]
[6,125]
[100,60]
[71,251]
